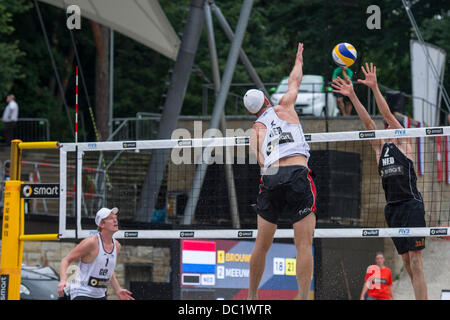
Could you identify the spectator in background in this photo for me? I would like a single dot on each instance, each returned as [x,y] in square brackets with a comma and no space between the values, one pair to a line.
[343,102]
[7,171]
[10,116]
[378,281]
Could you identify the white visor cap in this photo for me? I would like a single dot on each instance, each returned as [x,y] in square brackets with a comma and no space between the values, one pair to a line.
[254,100]
[103,213]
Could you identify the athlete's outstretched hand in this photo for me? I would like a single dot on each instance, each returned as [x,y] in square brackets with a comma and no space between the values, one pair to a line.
[60,288]
[299,56]
[124,294]
[371,75]
[343,87]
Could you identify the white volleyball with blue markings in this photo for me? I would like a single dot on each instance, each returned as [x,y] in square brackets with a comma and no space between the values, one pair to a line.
[344,54]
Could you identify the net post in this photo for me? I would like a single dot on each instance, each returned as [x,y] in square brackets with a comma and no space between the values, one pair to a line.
[12,249]
[11,253]
[14,223]
[39,145]
[62,190]
[15,159]
[39,237]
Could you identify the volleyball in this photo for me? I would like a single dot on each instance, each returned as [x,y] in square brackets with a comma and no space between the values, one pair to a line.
[344,54]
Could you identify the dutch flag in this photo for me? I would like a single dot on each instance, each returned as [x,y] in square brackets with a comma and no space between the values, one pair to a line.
[198,256]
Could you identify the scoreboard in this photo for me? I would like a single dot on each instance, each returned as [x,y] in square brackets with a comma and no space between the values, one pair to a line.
[220,269]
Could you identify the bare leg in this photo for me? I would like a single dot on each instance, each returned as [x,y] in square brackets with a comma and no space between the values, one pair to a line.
[406,264]
[303,236]
[418,278]
[264,240]
[348,108]
[340,103]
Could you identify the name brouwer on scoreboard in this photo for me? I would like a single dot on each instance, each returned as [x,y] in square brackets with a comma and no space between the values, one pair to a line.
[40,190]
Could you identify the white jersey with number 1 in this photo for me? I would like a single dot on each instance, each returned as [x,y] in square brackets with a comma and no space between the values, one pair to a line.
[93,278]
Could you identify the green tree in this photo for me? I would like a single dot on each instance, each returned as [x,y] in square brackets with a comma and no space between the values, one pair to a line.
[38,92]
[10,70]
[142,76]
[266,52]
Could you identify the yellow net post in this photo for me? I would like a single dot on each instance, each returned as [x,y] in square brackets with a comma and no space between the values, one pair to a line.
[13,224]
[12,248]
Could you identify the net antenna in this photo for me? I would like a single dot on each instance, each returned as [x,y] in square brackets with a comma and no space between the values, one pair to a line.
[352,205]
[76,145]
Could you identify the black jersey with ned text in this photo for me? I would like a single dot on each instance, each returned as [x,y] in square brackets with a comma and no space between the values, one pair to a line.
[397,173]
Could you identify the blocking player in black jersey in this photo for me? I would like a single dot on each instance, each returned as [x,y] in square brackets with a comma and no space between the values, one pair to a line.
[404,204]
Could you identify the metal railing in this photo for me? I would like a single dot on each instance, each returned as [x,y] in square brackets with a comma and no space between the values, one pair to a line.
[234,104]
[142,127]
[430,110]
[31,129]
[145,125]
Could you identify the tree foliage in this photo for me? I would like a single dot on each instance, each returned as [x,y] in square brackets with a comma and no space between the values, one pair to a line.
[141,75]
[10,69]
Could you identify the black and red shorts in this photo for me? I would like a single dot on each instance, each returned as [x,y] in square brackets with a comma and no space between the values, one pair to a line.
[289,192]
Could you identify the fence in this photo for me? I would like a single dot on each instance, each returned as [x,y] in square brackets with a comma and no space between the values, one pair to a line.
[31,129]
[143,127]
[234,104]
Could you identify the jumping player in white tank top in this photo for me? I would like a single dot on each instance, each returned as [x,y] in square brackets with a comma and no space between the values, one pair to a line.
[286,184]
[97,257]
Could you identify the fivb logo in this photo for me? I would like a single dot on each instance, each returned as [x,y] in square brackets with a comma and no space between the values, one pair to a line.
[73,17]
[400,132]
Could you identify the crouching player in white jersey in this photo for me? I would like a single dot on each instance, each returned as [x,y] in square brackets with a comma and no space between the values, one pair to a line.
[97,255]
[286,185]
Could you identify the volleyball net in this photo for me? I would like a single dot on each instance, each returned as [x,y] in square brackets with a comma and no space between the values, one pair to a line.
[209,186]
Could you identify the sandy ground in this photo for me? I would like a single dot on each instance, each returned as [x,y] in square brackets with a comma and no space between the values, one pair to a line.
[436,259]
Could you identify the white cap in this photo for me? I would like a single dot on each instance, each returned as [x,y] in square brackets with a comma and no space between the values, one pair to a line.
[103,213]
[254,100]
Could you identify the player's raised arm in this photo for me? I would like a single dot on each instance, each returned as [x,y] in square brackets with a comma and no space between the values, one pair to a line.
[370,73]
[256,136]
[346,88]
[294,81]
